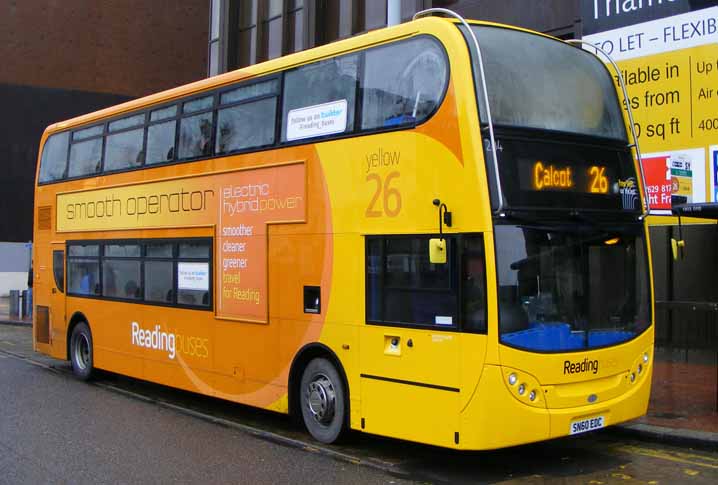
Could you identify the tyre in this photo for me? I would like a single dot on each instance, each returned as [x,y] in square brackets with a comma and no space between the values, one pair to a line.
[323,401]
[81,351]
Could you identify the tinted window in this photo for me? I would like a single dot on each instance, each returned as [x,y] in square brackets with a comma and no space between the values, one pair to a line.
[85,157]
[161,142]
[164,113]
[402,83]
[121,279]
[128,122]
[87,133]
[374,275]
[83,276]
[149,271]
[198,104]
[84,250]
[250,91]
[246,125]
[159,250]
[195,136]
[331,83]
[407,265]
[54,158]
[122,250]
[195,249]
[473,284]
[158,281]
[58,269]
[124,150]
[403,287]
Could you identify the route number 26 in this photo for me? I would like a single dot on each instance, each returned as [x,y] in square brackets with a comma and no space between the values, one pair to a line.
[599,181]
[391,200]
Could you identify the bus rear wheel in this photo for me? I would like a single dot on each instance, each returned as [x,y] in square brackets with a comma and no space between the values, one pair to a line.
[323,401]
[81,354]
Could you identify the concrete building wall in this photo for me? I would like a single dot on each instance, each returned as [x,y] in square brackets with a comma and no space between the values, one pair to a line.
[14,263]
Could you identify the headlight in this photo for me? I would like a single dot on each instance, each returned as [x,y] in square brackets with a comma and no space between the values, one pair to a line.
[512,379]
[522,389]
[532,395]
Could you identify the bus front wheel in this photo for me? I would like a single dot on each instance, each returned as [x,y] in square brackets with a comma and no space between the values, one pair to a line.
[81,351]
[323,401]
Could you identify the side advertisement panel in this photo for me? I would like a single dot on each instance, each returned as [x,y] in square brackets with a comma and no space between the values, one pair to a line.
[238,204]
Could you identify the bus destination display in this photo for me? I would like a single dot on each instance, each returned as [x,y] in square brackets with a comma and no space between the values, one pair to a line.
[553,176]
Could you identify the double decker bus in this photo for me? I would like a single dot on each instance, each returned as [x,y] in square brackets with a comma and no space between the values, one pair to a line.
[432,232]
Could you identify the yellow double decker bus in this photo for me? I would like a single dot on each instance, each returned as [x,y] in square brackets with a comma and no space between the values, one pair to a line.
[432,232]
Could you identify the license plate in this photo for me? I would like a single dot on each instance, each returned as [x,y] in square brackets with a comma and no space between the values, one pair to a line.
[588,424]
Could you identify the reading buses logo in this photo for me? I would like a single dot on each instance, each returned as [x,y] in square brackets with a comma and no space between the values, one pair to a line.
[154,339]
[171,343]
[581,366]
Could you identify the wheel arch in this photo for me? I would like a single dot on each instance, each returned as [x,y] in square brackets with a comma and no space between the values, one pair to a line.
[301,360]
[77,317]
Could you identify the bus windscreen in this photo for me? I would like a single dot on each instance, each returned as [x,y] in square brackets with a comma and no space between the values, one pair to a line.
[571,287]
[542,83]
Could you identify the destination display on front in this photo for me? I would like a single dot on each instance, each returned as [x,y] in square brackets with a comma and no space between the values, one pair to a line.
[544,175]
[561,176]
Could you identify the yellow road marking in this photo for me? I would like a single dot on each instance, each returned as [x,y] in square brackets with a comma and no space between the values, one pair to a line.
[675,456]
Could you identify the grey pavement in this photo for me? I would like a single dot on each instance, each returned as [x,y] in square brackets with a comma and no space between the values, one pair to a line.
[54,429]
[7,319]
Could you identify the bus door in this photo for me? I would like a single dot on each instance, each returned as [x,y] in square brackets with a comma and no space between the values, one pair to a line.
[57,292]
[410,379]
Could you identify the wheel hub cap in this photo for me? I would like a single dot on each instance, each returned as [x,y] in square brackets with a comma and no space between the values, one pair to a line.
[322,399]
[82,351]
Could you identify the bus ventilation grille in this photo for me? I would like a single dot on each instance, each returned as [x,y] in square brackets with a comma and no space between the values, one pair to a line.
[42,324]
[44,218]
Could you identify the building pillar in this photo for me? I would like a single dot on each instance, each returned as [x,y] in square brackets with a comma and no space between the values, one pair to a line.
[393,12]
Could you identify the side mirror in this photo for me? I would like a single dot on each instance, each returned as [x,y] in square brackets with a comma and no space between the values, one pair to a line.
[678,247]
[437,251]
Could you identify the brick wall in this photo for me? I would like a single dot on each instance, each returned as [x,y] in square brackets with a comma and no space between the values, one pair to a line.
[125,47]
[63,58]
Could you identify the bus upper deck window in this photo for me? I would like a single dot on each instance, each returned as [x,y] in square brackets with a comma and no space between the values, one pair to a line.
[85,157]
[53,164]
[327,86]
[403,83]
